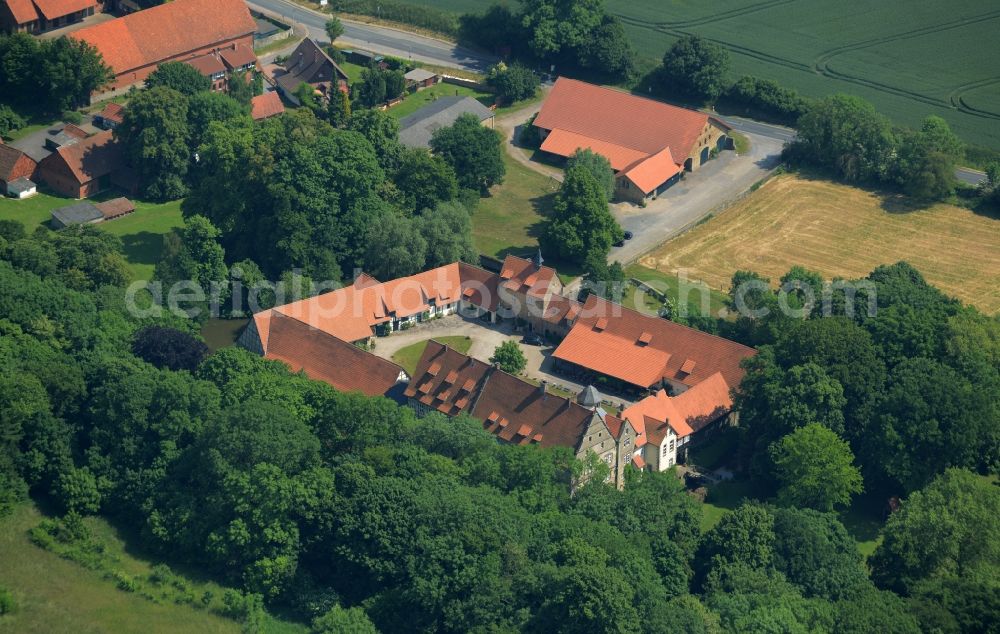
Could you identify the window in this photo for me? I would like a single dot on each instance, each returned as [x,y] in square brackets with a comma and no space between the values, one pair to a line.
[608,457]
[664,451]
[672,446]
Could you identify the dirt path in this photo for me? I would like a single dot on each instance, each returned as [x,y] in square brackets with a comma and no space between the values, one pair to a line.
[510,125]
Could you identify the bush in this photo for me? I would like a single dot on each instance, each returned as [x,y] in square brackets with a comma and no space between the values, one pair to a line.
[7,603]
[10,120]
[72,116]
[514,83]
[766,99]
[124,582]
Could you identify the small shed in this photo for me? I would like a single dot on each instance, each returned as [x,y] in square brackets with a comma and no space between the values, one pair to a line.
[21,188]
[110,117]
[421,78]
[364,58]
[76,214]
[115,208]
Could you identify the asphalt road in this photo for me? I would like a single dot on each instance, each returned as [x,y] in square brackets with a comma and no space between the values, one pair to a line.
[379,39]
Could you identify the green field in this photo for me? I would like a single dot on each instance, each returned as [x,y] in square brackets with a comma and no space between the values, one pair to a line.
[55,595]
[425,97]
[408,357]
[141,232]
[910,58]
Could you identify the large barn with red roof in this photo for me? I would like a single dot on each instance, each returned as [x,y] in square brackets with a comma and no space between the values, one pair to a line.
[649,144]
[181,30]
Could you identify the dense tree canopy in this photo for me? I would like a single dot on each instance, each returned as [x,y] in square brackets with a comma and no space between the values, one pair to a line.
[184,78]
[598,166]
[815,469]
[695,68]
[156,137]
[581,225]
[475,153]
[49,75]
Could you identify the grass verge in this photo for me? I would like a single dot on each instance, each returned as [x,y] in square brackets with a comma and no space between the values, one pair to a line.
[509,221]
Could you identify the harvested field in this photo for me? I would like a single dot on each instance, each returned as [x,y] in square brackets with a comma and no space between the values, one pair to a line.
[842,231]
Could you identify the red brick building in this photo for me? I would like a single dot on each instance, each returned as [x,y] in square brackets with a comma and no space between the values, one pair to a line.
[14,164]
[85,168]
[37,16]
[181,30]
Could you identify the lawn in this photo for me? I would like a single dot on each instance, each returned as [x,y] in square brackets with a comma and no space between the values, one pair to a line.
[509,220]
[55,595]
[842,231]
[669,284]
[722,497]
[408,357]
[905,56]
[427,96]
[141,232]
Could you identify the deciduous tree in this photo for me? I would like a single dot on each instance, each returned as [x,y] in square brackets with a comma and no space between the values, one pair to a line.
[695,68]
[509,358]
[475,153]
[184,78]
[815,469]
[156,138]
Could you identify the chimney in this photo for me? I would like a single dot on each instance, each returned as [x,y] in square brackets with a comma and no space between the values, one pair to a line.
[541,389]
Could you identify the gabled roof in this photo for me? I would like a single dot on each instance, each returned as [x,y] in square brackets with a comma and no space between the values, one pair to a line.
[522,276]
[446,380]
[167,31]
[208,64]
[565,143]
[325,358]
[417,129]
[266,105]
[237,56]
[113,112]
[685,414]
[24,11]
[536,417]
[88,159]
[53,9]
[606,339]
[606,115]
[9,158]
[309,64]
[351,313]
[653,171]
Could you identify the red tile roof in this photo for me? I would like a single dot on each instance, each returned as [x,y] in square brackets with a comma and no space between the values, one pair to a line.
[651,172]
[90,158]
[24,11]
[53,9]
[351,313]
[685,414]
[238,56]
[559,421]
[269,105]
[322,357]
[167,31]
[75,131]
[113,112]
[207,65]
[115,207]
[615,349]
[609,116]
[430,386]
[564,143]
[9,159]
[522,276]
[512,409]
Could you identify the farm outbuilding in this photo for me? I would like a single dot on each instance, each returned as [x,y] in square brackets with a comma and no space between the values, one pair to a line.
[417,129]
[21,188]
[649,144]
[15,166]
[76,214]
[420,78]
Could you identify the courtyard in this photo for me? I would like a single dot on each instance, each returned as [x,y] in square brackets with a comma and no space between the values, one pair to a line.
[480,339]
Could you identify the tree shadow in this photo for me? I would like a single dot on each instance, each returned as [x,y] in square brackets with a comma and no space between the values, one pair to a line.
[144,247]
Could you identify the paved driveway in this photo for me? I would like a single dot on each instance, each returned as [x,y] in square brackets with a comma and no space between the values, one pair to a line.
[485,338]
[700,194]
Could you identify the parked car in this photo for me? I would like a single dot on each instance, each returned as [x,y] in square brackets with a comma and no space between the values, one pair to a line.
[532,339]
[628,235]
